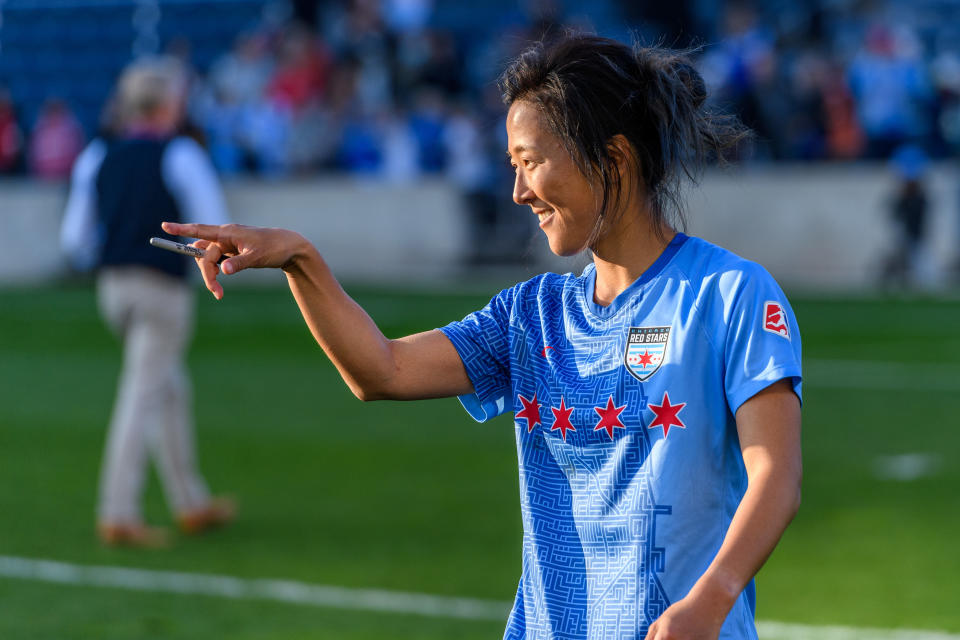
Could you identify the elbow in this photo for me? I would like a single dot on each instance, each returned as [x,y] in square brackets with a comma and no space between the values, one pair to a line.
[368,393]
[370,390]
[795,506]
[364,395]
[381,382]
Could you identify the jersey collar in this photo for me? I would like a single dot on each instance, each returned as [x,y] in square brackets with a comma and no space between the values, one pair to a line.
[627,294]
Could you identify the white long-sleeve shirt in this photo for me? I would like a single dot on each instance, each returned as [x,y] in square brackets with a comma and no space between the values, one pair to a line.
[187,173]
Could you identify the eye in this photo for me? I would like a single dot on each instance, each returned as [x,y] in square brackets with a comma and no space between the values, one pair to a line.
[527,163]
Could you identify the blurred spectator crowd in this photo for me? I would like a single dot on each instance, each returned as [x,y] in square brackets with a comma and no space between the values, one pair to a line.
[376,87]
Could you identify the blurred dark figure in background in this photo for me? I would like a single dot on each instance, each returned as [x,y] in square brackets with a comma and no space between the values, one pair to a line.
[469,166]
[56,141]
[123,187]
[11,138]
[909,206]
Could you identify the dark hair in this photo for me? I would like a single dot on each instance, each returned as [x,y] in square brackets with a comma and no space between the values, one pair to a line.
[589,89]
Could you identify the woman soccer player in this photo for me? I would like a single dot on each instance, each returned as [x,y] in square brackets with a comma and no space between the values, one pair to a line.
[656,395]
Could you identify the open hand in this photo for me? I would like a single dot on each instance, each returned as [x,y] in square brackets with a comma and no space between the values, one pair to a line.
[687,619]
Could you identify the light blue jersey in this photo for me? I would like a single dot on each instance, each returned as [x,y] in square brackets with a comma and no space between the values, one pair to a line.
[630,463]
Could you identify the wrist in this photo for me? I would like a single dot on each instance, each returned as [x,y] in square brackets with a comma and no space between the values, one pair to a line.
[718,591]
[302,253]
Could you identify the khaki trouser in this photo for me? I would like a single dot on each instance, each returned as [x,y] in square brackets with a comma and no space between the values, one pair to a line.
[153,314]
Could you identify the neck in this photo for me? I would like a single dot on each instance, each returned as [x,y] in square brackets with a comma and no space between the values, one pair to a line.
[624,253]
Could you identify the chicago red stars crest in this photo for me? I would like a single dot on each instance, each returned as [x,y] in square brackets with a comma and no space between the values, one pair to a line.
[646,348]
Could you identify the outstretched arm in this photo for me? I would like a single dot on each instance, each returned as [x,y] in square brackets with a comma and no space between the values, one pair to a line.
[769,429]
[424,365]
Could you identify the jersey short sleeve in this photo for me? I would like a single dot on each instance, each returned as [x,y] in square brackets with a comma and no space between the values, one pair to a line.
[762,342]
[483,342]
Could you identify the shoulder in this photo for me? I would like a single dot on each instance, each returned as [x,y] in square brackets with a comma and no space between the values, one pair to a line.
[543,289]
[532,300]
[186,149]
[714,271]
[90,159]
[185,162]
[727,289]
[545,284]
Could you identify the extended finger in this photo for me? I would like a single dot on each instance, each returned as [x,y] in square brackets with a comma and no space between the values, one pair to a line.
[211,232]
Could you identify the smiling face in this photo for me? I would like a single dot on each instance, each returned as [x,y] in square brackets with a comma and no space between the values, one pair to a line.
[566,203]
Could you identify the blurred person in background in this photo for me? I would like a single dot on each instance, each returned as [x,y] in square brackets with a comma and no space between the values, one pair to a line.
[639,521]
[236,86]
[844,137]
[11,137]
[470,166]
[302,71]
[122,187]
[908,263]
[180,50]
[359,36]
[55,141]
[893,92]
[243,73]
[297,89]
[427,121]
[399,148]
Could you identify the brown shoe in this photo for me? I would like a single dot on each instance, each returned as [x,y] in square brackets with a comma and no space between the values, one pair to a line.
[217,513]
[115,534]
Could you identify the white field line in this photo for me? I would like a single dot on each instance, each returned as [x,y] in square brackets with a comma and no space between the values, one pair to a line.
[294,592]
[881,376]
[289,591]
[783,631]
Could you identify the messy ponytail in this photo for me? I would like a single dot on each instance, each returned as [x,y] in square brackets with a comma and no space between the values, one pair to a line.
[590,89]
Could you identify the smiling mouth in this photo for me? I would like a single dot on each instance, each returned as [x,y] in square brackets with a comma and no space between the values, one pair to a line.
[544,216]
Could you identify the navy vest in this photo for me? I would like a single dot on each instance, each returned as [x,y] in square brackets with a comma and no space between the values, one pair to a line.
[132,201]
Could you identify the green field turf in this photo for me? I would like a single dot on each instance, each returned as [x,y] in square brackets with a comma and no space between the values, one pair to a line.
[417,497]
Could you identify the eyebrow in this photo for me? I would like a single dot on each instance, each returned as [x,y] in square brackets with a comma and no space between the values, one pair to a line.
[517,149]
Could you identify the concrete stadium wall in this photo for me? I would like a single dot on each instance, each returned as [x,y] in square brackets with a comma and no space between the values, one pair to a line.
[823,227]
[819,227]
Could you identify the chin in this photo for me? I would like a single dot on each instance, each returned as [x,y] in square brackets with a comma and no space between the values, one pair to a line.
[566,242]
[562,249]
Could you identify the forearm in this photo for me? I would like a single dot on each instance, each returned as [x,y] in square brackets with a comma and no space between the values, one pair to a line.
[769,504]
[424,365]
[348,335]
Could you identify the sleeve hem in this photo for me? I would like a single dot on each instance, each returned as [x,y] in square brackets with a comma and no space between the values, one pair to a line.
[480,409]
[753,387]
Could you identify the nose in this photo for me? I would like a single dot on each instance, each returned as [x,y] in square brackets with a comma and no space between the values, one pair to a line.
[521,192]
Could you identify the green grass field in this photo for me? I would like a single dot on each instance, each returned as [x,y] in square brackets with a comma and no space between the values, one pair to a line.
[417,497]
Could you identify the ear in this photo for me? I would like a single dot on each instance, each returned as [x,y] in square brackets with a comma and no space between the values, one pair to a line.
[625,158]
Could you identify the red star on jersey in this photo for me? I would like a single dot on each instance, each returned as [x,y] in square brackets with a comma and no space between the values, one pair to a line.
[609,417]
[530,412]
[645,359]
[666,415]
[561,419]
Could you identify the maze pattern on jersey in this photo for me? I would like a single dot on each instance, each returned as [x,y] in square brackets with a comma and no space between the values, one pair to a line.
[590,517]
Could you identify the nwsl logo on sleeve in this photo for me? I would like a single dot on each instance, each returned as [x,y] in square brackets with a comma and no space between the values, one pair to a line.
[775,320]
[646,347]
